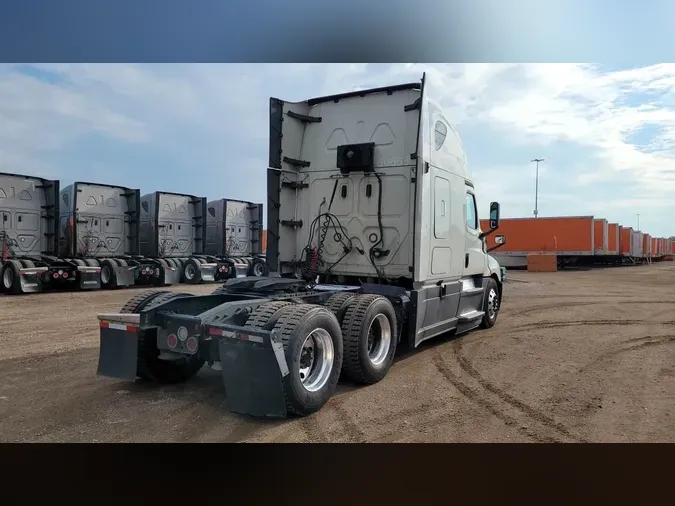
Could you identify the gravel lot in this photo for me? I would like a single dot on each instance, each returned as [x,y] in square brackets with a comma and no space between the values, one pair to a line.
[576,356]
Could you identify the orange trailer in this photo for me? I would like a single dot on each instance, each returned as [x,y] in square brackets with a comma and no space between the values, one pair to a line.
[613,238]
[601,236]
[567,235]
[625,241]
[646,245]
[264,241]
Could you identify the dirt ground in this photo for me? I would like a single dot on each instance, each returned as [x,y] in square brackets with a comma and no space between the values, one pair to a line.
[583,356]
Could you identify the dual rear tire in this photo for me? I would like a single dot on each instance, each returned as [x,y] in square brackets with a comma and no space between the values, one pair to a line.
[351,335]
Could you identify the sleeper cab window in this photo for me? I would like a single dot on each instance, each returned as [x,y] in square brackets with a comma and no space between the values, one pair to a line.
[440,133]
[471,215]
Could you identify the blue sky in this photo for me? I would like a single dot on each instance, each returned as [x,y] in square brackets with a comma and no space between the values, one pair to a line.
[607,133]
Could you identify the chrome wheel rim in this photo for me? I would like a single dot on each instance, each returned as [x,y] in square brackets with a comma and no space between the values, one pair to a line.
[316,360]
[493,304]
[379,339]
[258,270]
[189,271]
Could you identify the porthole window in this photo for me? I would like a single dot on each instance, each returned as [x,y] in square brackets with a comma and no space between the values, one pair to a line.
[440,133]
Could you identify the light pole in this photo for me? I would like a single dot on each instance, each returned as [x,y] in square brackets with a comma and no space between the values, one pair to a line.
[638,217]
[536,187]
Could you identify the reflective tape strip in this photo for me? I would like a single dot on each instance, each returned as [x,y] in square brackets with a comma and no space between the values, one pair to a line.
[235,335]
[119,326]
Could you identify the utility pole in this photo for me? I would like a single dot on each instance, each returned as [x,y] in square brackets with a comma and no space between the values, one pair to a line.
[536,187]
[638,217]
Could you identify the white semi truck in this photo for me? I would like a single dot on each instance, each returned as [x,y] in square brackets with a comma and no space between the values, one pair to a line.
[373,241]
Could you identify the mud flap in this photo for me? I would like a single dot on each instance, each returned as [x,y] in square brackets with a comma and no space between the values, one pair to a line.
[240,270]
[30,279]
[171,275]
[208,272]
[118,351]
[124,276]
[253,365]
[89,277]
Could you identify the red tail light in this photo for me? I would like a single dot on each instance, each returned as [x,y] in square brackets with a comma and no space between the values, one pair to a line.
[55,275]
[172,341]
[192,344]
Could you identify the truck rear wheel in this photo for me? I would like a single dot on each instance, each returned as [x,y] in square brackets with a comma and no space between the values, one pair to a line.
[370,334]
[259,268]
[339,302]
[491,304]
[148,365]
[313,348]
[108,279]
[191,272]
[266,316]
[11,280]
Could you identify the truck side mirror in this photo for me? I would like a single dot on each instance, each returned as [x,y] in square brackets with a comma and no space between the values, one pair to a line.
[500,240]
[494,215]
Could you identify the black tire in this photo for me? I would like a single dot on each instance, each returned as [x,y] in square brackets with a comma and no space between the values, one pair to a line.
[11,281]
[491,303]
[220,289]
[296,323]
[192,274]
[259,268]
[108,276]
[91,262]
[149,366]
[339,302]
[364,314]
[266,316]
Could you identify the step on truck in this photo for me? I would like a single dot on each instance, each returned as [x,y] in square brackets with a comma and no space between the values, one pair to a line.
[234,230]
[29,238]
[374,242]
[101,226]
[173,229]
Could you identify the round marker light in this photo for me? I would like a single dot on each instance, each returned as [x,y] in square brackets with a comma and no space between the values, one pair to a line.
[143,272]
[172,341]
[192,344]
[182,333]
[55,275]
[150,271]
[65,275]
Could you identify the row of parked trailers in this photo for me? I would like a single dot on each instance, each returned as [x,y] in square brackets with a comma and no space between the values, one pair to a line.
[577,240]
[92,236]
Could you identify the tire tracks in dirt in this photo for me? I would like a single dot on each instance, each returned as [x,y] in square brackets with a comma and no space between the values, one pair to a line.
[535,309]
[577,323]
[481,400]
[634,344]
[529,411]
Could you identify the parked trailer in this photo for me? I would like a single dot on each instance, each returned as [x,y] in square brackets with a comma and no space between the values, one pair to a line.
[626,244]
[101,225]
[29,237]
[647,247]
[234,237]
[282,342]
[173,228]
[570,238]
[638,246]
[601,236]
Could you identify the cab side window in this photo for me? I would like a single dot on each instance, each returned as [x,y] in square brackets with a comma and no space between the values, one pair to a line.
[471,213]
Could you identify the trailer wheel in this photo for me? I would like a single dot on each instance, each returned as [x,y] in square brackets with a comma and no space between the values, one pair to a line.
[11,281]
[191,272]
[491,304]
[312,343]
[259,268]
[339,302]
[266,316]
[136,303]
[370,333]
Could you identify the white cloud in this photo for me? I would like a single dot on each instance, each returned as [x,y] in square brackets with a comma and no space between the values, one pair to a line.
[215,116]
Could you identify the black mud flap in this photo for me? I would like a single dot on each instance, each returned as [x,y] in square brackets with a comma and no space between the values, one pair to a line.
[119,351]
[208,272]
[89,277]
[124,276]
[254,365]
